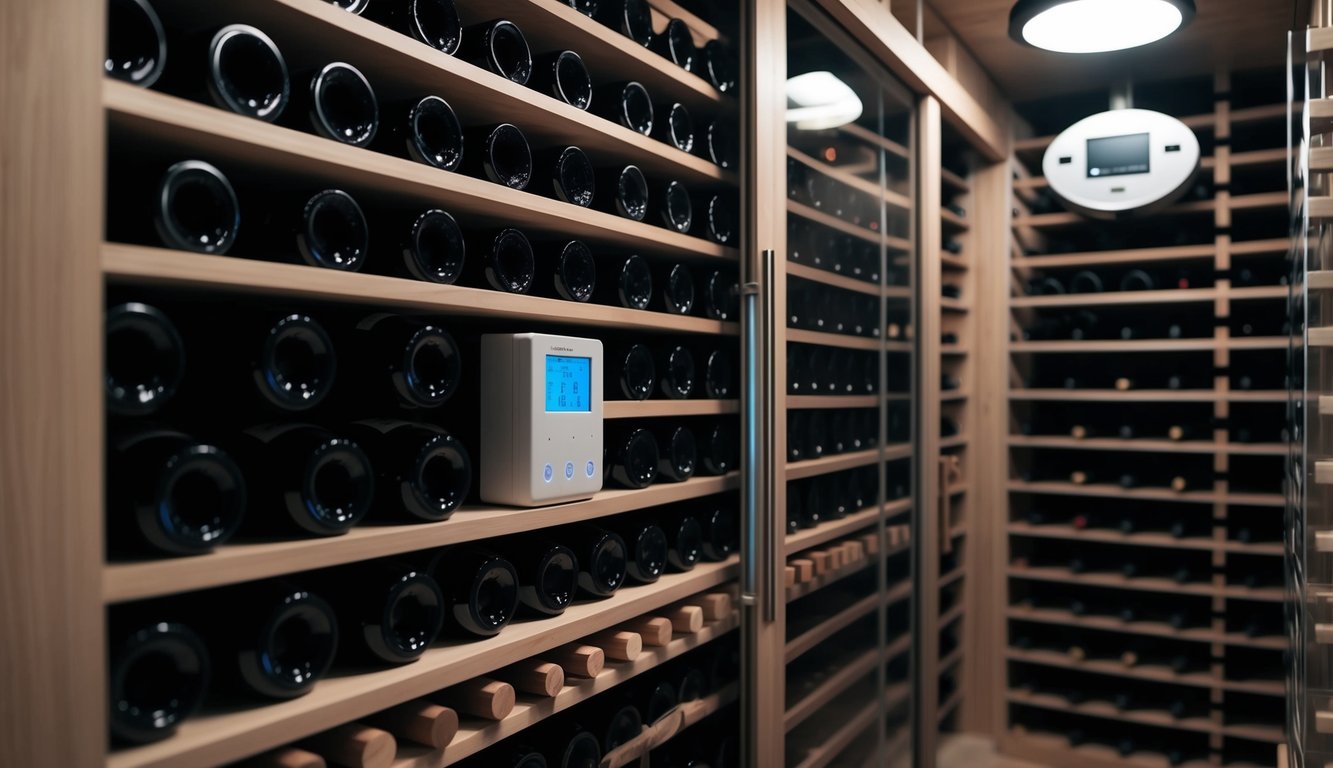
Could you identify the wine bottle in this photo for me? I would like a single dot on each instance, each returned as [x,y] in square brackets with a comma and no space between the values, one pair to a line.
[955,247]
[719,533]
[170,493]
[625,103]
[678,291]
[677,128]
[579,750]
[390,612]
[661,699]
[627,283]
[677,454]
[676,43]
[676,372]
[571,275]
[292,362]
[426,130]
[1045,286]
[423,473]
[407,362]
[278,644]
[562,75]
[136,44]
[720,222]
[719,375]
[306,479]
[500,154]
[685,540]
[547,574]
[1137,280]
[433,248]
[504,260]
[191,206]
[500,47]
[236,67]
[633,456]
[623,192]
[433,22]
[720,66]
[336,102]
[1085,281]
[718,452]
[354,7]
[631,18]
[648,551]
[480,587]
[721,144]
[622,727]
[159,671]
[672,207]
[506,755]
[722,296]
[631,373]
[602,559]
[145,359]
[796,430]
[565,174]
[327,229]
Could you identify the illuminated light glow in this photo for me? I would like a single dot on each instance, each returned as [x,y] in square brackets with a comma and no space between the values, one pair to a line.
[818,101]
[1096,26]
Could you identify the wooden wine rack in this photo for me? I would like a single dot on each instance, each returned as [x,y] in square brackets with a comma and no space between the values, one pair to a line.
[1223,731]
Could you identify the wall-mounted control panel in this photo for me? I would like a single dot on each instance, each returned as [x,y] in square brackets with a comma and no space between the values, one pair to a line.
[541,418]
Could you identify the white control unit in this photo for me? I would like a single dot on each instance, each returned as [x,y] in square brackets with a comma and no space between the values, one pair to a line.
[541,418]
[1121,162]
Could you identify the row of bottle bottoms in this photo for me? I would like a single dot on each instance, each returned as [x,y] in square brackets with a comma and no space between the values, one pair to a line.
[1176,524]
[241,69]
[812,434]
[1138,279]
[192,205]
[1258,620]
[814,369]
[1187,567]
[291,362]
[1180,702]
[1084,324]
[1135,426]
[280,636]
[816,500]
[820,246]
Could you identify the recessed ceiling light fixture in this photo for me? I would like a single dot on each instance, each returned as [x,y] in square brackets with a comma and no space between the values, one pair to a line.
[1095,26]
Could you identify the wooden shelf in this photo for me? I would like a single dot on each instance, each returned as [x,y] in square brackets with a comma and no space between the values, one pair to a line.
[1110,490]
[830,689]
[1144,583]
[1127,298]
[825,277]
[475,735]
[953,614]
[834,529]
[1148,672]
[831,577]
[843,340]
[185,127]
[235,563]
[214,737]
[1106,710]
[647,409]
[1147,445]
[953,221]
[870,137]
[1140,539]
[839,402]
[1149,345]
[832,222]
[955,350]
[864,186]
[1049,749]
[1146,628]
[830,626]
[949,578]
[1129,256]
[952,261]
[1149,395]
[157,266]
[954,305]
[947,708]
[826,464]
[952,180]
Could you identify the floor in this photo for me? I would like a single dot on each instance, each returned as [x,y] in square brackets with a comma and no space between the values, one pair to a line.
[970,751]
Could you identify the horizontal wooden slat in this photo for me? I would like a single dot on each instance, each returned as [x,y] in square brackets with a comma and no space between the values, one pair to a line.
[1148,445]
[646,409]
[825,277]
[1141,539]
[1146,584]
[870,188]
[1149,395]
[832,222]
[1109,490]
[1148,628]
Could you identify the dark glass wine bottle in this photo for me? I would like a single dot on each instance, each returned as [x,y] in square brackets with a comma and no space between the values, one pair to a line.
[136,44]
[722,296]
[672,207]
[562,75]
[407,362]
[633,456]
[678,290]
[676,372]
[276,642]
[1137,280]
[306,479]
[719,533]
[676,128]
[327,229]
[623,192]
[170,493]
[622,727]
[631,18]
[480,587]
[626,283]
[1085,281]
[678,454]
[389,612]
[292,362]
[572,273]
[547,574]
[676,43]
[191,206]
[432,247]
[719,63]
[685,539]
[500,47]
[565,174]
[648,551]
[718,451]
[661,699]
[423,473]
[159,671]
[631,373]
[433,22]
[602,557]
[581,750]
[719,375]
[500,154]
[355,7]
[721,144]
[426,130]
[145,359]
[502,260]
[337,102]
[625,103]
[238,69]
[720,222]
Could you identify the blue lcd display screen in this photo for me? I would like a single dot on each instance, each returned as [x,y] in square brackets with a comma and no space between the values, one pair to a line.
[568,384]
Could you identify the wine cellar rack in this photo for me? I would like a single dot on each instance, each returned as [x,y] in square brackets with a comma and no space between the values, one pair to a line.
[1146,460]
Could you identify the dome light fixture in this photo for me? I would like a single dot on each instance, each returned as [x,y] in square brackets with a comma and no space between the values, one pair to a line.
[1096,26]
[818,101]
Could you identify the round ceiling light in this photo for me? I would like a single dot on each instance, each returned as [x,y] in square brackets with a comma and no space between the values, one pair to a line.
[1095,26]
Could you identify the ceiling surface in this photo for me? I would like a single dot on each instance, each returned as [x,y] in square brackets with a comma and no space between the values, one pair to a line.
[1239,34]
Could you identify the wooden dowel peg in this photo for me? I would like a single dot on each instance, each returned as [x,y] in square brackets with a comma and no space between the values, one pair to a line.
[821,561]
[836,558]
[894,535]
[653,630]
[1129,658]
[480,697]
[1078,431]
[805,569]
[871,542]
[355,746]
[420,721]
[789,575]
[534,676]
[618,645]
[578,659]
[687,619]
[716,605]
[287,757]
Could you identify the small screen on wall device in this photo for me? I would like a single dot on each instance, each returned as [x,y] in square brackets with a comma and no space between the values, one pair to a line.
[1118,155]
[568,384]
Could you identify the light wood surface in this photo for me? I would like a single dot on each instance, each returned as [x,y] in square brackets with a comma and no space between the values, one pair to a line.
[480,697]
[578,660]
[420,721]
[287,757]
[686,619]
[654,631]
[52,642]
[618,645]
[354,745]
[534,676]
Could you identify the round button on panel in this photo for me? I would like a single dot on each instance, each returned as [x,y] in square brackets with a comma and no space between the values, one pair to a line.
[548,473]
[569,470]
[590,469]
